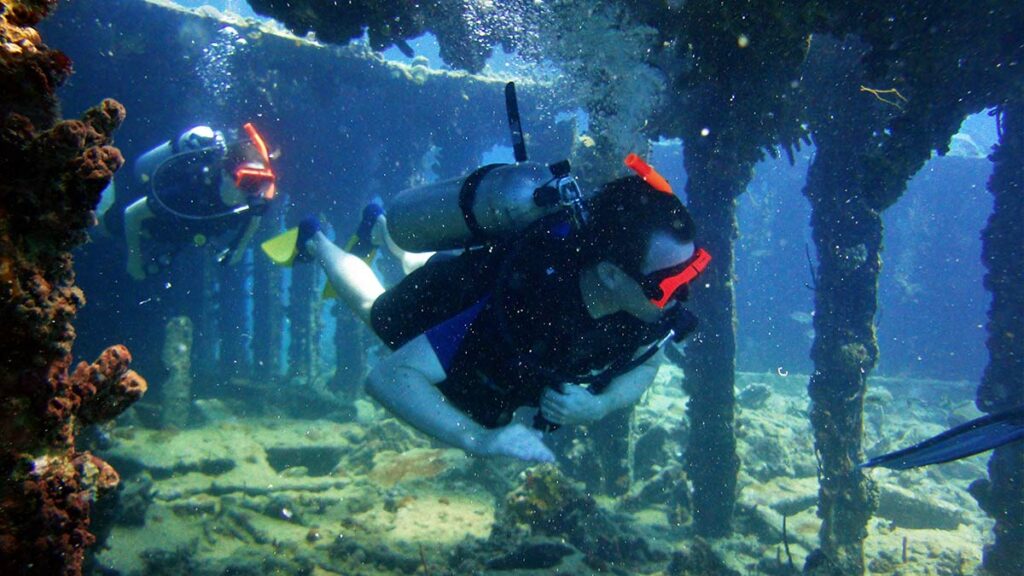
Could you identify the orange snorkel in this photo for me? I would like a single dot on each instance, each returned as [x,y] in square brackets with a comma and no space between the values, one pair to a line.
[648,173]
[247,174]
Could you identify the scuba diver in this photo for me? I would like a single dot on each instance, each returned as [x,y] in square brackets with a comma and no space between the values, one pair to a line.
[970,438]
[538,297]
[204,187]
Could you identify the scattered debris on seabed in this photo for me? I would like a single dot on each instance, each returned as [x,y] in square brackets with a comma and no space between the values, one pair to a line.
[371,496]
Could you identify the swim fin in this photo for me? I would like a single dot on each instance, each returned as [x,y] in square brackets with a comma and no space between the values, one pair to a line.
[282,249]
[361,241]
[970,438]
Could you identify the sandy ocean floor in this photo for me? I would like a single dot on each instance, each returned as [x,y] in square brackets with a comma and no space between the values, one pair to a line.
[262,495]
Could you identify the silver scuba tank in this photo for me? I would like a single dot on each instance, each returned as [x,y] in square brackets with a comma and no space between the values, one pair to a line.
[493,202]
[147,164]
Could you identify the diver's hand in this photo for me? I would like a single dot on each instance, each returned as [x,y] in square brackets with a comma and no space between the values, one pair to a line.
[514,440]
[573,406]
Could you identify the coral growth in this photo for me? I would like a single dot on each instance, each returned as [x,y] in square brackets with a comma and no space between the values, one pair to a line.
[49,485]
[51,177]
[548,504]
[466,31]
[29,71]
[390,468]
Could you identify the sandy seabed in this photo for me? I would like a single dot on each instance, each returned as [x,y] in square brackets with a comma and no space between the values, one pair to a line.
[371,496]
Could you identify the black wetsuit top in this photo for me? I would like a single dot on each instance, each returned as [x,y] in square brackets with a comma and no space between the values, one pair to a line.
[520,325]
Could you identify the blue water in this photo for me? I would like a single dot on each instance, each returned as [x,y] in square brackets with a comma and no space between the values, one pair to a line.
[344,140]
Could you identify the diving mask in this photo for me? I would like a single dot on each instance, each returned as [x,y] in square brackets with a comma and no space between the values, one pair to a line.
[661,286]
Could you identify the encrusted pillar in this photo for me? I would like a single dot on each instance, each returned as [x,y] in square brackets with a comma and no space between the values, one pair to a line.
[267,312]
[350,343]
[1002,386]
[233,319]
[176,396]
[711,460]
[303,314]
[867,150]
[611,441]
[848,235]
[207,337]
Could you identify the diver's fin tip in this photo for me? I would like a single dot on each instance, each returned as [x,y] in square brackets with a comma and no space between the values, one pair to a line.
[281,249]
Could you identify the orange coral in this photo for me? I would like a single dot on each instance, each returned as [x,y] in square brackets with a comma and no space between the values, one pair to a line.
[390,468]
[51,177]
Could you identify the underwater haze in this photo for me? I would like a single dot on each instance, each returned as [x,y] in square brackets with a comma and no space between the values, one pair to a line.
[258,449]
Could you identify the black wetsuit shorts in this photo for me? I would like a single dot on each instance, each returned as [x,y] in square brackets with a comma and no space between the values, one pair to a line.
[445,292]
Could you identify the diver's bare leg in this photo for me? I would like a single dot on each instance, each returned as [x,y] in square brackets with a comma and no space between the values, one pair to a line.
[410,260]
[351,277]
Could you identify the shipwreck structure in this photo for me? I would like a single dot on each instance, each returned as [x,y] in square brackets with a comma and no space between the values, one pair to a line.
[877,89]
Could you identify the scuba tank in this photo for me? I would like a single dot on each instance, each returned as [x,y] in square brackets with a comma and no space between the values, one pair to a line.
[147,164]
[192,140]
[494,202]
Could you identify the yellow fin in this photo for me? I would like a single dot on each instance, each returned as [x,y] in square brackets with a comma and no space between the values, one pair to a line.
[281,249]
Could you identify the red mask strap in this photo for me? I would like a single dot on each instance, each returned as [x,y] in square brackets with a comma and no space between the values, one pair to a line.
[698,263]
[246,175]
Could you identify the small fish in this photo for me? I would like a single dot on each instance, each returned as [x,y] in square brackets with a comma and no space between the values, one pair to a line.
[802,317]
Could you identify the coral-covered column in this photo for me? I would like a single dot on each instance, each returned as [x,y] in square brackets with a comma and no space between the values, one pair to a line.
[848,235]
[715,181]
[207,336]
[350,343]
[267,312]
[1002,385]
[847,231]
[51,177]
[176,397]
[232,320]
[303,313]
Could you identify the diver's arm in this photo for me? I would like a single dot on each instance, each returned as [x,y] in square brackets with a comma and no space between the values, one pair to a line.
[238,250]
[134,215]
[625,390]
[406,384]
[575,405]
